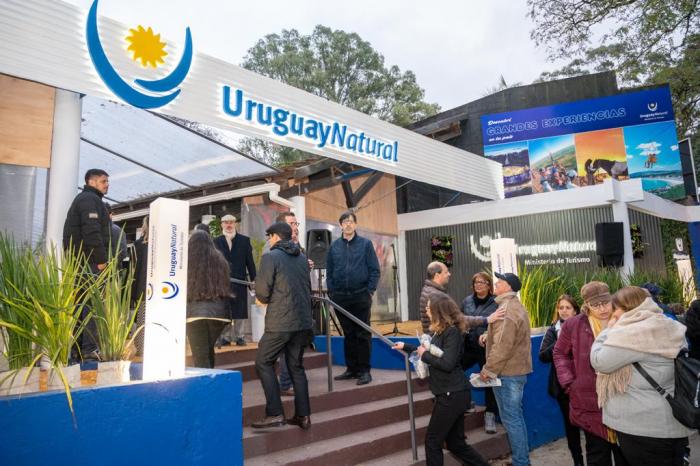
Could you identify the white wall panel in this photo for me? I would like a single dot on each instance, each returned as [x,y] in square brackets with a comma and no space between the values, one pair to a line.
[44,41]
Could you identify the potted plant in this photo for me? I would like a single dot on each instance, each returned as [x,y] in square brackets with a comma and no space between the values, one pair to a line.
[15,328]
[110,304]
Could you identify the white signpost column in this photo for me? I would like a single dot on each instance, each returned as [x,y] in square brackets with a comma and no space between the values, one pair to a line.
[503,258]
[166,290]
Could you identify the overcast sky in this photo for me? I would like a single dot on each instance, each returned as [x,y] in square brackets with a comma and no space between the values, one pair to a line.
[457,49]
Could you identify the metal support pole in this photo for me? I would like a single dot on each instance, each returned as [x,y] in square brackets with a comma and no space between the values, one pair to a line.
[411,414]
[329,356]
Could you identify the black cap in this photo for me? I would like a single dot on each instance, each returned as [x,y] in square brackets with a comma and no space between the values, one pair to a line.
[280,228]
[511,279]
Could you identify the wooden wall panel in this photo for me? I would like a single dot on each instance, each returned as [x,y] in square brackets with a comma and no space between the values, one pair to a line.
[378,216]
[26,122]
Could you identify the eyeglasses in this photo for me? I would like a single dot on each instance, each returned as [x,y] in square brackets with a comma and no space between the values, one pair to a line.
[480,282]
[348,221]
[597,305]
[294,224]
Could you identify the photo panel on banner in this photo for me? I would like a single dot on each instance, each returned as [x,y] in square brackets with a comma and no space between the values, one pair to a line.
[583,143]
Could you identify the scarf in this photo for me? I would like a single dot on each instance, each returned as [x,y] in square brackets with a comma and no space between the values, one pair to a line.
[229,238]
[645,329]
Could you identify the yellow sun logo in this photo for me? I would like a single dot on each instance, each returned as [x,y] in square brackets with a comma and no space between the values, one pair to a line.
[146,46]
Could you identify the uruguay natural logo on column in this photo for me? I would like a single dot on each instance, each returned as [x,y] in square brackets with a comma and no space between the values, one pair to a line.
[147,48]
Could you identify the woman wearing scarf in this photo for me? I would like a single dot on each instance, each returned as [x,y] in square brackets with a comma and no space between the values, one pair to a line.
[578,379]
[647,432]
[566,309]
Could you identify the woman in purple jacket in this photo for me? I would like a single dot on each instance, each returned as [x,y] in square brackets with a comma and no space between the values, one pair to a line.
[578,379]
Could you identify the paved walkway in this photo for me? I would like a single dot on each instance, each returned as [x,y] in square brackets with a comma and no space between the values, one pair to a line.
[557,454]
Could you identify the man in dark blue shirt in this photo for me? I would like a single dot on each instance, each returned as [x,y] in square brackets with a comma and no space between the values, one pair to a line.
[352,277]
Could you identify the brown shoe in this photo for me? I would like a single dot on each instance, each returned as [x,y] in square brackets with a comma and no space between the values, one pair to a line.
[302,421]
[288,392]
[269,421]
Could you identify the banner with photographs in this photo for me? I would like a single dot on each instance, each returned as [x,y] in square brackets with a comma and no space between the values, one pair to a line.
[578,144]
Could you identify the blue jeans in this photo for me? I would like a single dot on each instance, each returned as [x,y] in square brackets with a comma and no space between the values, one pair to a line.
[509,397]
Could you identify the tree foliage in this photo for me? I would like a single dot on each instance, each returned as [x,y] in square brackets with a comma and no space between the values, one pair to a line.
[341,67]
[645,42]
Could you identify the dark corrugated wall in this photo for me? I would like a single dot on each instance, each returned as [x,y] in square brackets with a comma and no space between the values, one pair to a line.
[545,228]
[650,228]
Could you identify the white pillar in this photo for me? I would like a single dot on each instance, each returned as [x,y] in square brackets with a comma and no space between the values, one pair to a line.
[403,275]
[621,214]
[299,210]
[65,163]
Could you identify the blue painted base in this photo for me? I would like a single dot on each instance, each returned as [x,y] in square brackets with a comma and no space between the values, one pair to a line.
[542,415]
[196,419]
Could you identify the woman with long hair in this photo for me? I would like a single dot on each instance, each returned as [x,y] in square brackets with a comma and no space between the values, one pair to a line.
[639,332]
[208,291]
[480,303]
[447,382]
[566,308]
[578,379]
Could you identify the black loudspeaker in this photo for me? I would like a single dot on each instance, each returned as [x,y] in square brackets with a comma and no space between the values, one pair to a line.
[609,244]
[686,153]
[317,244]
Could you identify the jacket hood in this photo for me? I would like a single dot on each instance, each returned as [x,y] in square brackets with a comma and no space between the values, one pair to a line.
[92,190]
[288,247]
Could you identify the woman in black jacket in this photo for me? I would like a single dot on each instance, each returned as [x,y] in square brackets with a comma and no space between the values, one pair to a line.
[566,308]
[447,382]
[208,292]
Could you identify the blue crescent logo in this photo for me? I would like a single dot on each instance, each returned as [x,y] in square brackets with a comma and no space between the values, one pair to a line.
[169,290]
[120,87]
[652,106]
[149,292]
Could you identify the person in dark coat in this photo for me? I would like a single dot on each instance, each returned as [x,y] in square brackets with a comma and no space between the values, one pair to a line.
[577,377]
[447,382]
[88,229]
[480,303]
[238,252]
[284,285]
[208,292]
[438,278]
[139,262]
[352,275]
[566,308]
[118,239]
[692,333]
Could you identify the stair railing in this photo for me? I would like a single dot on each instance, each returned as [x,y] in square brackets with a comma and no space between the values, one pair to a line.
[327,317]
[407,364]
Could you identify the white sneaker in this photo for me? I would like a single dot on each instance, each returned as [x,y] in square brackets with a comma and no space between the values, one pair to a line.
[490,423]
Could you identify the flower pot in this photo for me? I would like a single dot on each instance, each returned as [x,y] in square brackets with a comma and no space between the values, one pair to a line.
[113,372]
[13,383]
[71,373]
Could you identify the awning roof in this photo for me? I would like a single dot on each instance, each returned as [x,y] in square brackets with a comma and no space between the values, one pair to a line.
[146,154]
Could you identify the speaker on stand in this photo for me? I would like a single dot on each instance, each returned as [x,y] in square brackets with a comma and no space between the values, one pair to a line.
[610,244]
[318,243]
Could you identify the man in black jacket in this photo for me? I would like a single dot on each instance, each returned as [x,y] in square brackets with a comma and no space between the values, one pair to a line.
[88,229]
[284,285]
[352,276]
[238,251]
[87,226]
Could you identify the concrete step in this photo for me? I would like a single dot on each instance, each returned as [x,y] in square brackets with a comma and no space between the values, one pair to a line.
[312,360]
[374,444]
[230,354]
[491,446]
[385,384]
[336,422]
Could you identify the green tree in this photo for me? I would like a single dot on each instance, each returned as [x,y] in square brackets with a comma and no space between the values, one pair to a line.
[341,67]
[646,42]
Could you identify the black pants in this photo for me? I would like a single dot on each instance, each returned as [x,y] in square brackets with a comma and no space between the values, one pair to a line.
[292,345]
[358,341]
[447,425]
[649,451]
[600,452]
[202,334]
[473,356]
[573,433]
